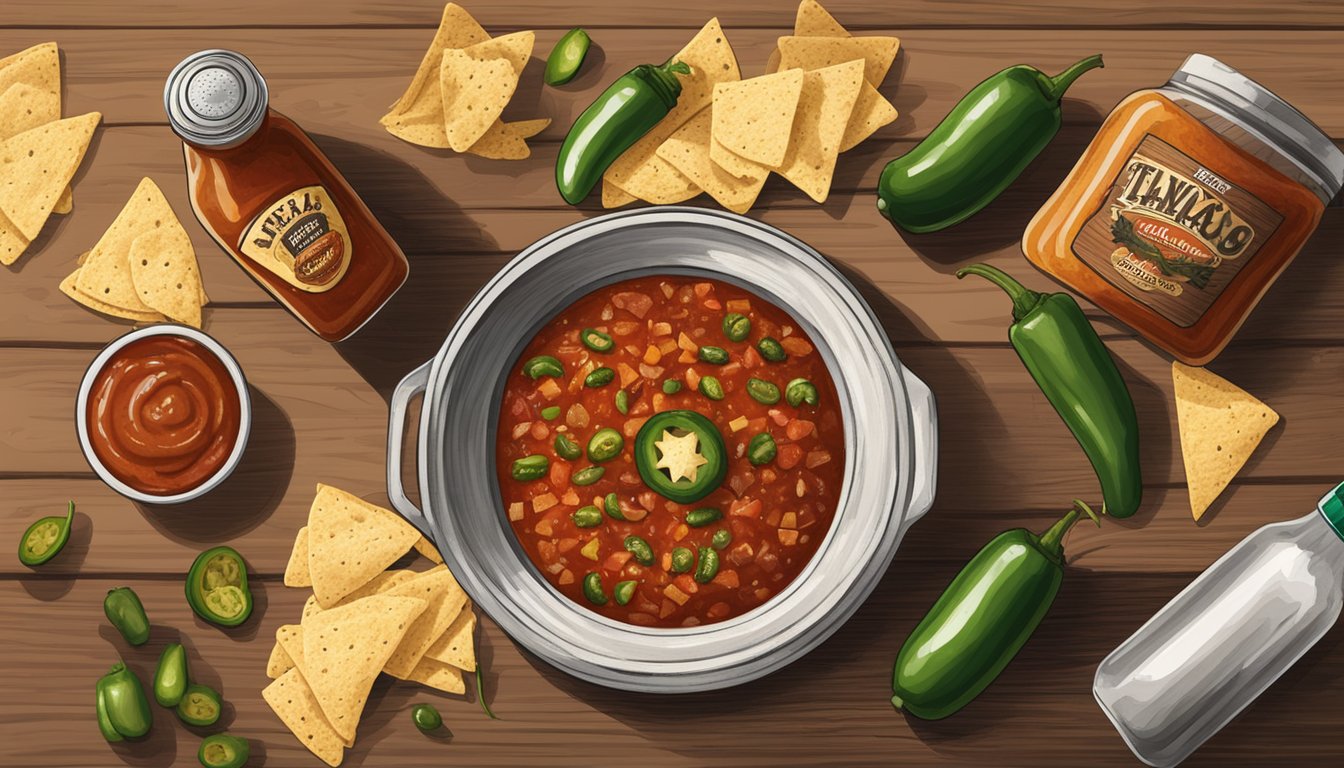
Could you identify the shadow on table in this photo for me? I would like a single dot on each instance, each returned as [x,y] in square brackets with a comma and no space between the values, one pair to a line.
[248,496]
[413,324]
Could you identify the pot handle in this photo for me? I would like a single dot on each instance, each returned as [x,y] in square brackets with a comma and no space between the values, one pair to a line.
[924,419]
[414,384]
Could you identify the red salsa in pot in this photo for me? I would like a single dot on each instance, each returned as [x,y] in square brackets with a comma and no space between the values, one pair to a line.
[670,451]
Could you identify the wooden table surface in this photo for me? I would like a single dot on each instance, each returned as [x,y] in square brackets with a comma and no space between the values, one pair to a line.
[321,410]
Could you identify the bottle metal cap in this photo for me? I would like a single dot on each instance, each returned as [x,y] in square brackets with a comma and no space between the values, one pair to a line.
[1332,509]
[215,99]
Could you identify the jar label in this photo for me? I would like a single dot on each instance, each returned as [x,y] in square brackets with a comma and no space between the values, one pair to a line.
[302,238]
[1183,232]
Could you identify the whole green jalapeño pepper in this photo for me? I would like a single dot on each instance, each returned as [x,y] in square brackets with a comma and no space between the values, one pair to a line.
[124,609]
[1075,371]
[122,704]
[982,145]
[981,620]
[613,123]
[171,678]
[217,587]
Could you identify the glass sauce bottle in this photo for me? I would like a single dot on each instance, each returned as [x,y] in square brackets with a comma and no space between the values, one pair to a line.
[274,202]
[1187,205]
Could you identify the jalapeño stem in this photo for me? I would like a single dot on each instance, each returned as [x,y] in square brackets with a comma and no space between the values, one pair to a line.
[1061,82]
[1052,541]
[1024,299]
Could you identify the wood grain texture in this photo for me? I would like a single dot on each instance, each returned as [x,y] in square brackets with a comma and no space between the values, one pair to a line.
[1005,458]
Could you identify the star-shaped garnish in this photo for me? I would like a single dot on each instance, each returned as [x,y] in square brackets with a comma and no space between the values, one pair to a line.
[680,456]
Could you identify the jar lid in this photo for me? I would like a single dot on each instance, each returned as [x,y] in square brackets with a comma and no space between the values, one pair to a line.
[215,99]
[1331,507]
[1265,113]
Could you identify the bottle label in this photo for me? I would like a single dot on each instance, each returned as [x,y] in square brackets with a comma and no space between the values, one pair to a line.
[1172,233]
[302,238]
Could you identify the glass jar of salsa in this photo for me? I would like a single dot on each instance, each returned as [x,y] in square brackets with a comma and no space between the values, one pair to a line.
[274,202]
[1187,205]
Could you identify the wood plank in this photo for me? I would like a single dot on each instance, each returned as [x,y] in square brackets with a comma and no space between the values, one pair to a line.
[833,702]
[341,80]
[597,14]
[458,227]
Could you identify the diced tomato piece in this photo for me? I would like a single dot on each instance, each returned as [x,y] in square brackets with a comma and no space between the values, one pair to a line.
[686,357]
[675,594]
[797,429]
[521,428]
[692,378]
[544,501]
[741,554]
[796,346]
[616,560]
[570,499]
[718,610]
[778,416]
[559,475]
[633,514]
[768,475]
[667,609]
[634,302]
[577,416]
[817,458]
[680,532]
[547,549]
[518,407]
[566,577]
[629,478]
[741,481]
[642,619]
[713,304]
[549,389]
[702,289]
[788,537]
[565,545]
[751,359]
[685,343]
[686,583]
[627,374]
[632,426]
[624,327]
[648,500]
[727,578]
[651,371]
[742,306]
[540,431]
[788,456]
[772,517]
[745,508]
[788,520]
[762,594]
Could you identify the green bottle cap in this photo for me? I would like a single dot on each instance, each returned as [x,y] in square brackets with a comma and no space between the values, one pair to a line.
[1332,509]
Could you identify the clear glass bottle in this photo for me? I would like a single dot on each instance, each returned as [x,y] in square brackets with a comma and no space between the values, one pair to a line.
[1227,637]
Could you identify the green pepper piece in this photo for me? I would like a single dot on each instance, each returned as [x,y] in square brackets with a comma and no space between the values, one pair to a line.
[979,149]
[981,620]
[124,609]
[622,400]
[221,750]
[171,677]
[217,588]
[596,340]
[605,445]
[599,378]
[46,537]
[530,468]
[123,701]
[709,446]
[682,560]
[566,448]
[105,726]
[771,350]
[713,355]
[761,449]
[550,412]
[710,387]
[200,705]
[699,518]
[587,475]
[592,589]
[1076,373]
[612,504]
[426,718]
[671,387]
[587,517]
[640,548]
[799,391]
[624,591]
[624,112]
[762,391]
[722,538]
[736,326]
[543,365]
[707,567]
[567,57]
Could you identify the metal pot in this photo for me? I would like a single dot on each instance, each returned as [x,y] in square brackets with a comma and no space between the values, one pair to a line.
[890,448]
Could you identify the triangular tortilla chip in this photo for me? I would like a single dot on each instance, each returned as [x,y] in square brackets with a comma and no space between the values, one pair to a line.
[280,661]
[754,118]
[378,584]
[12,241]
[615,197]
[164,271]
[814,21]
[350,541]
[428,550]
[876,52]
[290,697]
[106,274]
[444,600]
[39,67]
[639,171]
[1221,425]
[289,638]
[36,165]
[871,111]
[823,112]
[437,675]
[508,141]
[688,151]
[345,648]
[24,106]
[475,92]
[69,286]
[296,570]
[457,646]
[417,116]
[735,164]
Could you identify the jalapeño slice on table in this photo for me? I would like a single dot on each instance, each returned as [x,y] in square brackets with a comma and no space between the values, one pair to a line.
[46,537]
[681,456]
[221,750]
[217,587]
[200,705]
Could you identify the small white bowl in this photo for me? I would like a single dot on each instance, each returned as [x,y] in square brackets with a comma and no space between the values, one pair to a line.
[244,412]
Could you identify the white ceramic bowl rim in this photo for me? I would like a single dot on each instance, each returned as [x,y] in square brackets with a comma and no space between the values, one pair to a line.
[244,411]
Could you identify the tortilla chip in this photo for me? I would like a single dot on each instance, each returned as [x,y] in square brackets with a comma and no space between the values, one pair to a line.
[12,241]
[871,111]
[688,151]
[280,661]
[36,165]
[437,675]
[507,141]
[428,550]
[291,698]
[296,570]
[823,112]
[876,52]
[345,648]
[350,541]
[310,607]
[735,164]
[69,286]
[456,646]
[164,271]
[417,116]
[639,171]
[24,106]
[475,92]
[1221,425]
[106,274]
[38,67]
[615,197]
[443,599]
[814,21]
[754,118]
